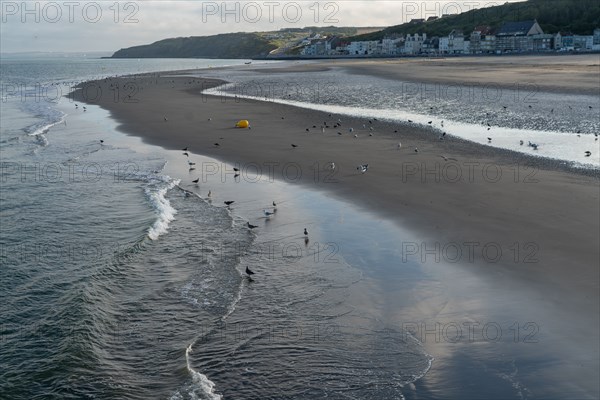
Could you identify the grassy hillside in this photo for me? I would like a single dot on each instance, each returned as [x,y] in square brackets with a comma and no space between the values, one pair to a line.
[577,16]
[230,45]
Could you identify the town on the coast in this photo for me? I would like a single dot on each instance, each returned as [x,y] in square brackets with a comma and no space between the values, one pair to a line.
[511,37]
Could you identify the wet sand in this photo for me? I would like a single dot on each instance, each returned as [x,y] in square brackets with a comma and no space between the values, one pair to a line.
[579,74]
[548,214]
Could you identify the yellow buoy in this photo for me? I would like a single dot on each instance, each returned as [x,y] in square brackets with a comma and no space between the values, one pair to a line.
[242,123]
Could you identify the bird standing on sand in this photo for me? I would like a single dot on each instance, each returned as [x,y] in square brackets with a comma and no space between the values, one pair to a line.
[268,213]
[166,119]
[399,146]
[416,149]
[101,142]
[588,153]
[294,145]
[248,271]
[209,194]
[196,180]
[305,232]
[229,202]
[186,149]
[186,154]
[274,204]
[252,226]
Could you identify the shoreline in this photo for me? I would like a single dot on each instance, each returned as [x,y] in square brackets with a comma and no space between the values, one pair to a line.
[565,228]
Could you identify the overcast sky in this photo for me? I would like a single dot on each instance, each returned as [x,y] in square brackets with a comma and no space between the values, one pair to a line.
[82,26]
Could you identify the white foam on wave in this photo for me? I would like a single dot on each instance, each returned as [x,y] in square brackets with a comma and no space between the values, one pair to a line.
[46,127]
[166,212]
[202,387]
[557,145]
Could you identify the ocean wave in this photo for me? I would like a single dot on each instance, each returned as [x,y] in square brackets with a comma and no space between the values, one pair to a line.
[156,193]
[201,388]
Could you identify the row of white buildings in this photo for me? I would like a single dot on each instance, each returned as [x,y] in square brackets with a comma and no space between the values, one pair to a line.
[524,36]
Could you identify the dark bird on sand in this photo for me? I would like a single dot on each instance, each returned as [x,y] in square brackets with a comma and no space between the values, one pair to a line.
[229,202]
[294,145]
[186,149]
[588,153]
[248,271]
[252,226]
[305,232]
[196,180]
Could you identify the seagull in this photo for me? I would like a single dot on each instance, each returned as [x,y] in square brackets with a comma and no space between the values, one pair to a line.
[217,144]
[410,120]
[229,202]
[101,142]
[416,150]
[84,109]
[430,122]
[248,271]
[186,149]
[191,163]
[196,180]
[268,213]
[186,154]
[363,168]
[274,204]
[521,142]
[489,140]
[236,169]
[307,130]
[166,119]
[252,226]
[332,166]
[588,153]
[399,146]
[355,136]
[350,130]
[294,145]
[305,232]
[209,194]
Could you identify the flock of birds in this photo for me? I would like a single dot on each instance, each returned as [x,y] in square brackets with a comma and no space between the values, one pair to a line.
[268,213]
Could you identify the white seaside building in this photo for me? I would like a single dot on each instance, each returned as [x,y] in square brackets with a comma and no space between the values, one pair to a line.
[413,44]
[362,48]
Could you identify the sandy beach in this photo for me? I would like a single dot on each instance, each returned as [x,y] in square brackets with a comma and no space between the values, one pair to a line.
[543,216]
